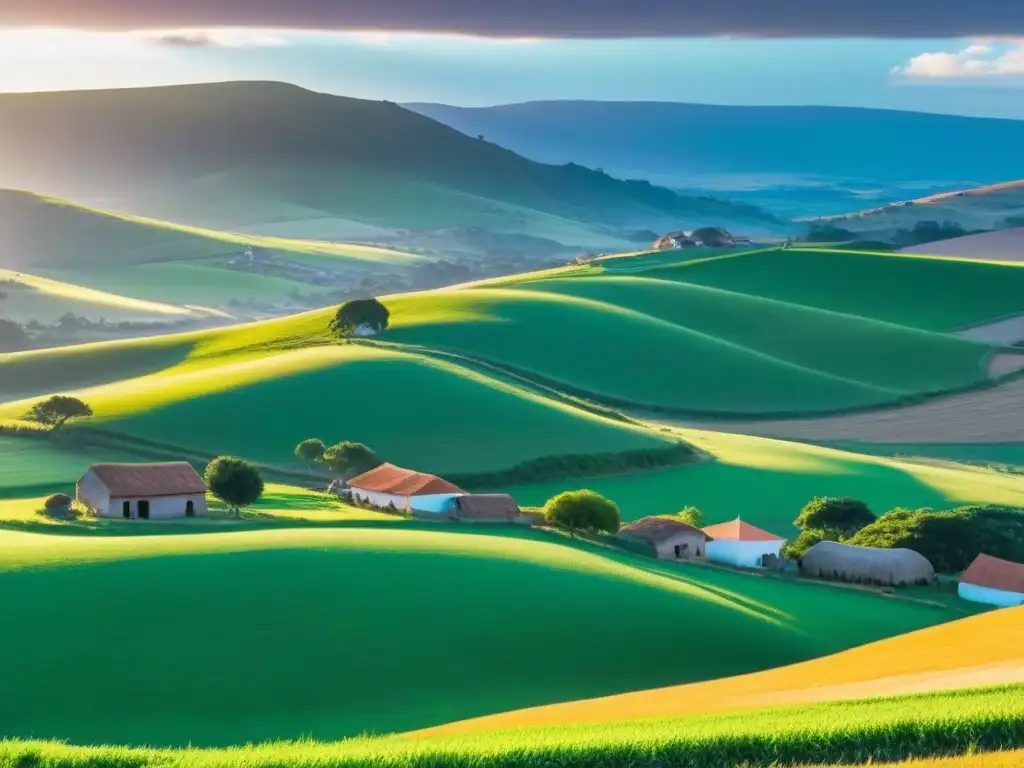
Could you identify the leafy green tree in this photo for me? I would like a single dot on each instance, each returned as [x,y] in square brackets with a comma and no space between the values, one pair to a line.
[692,516]
[844,515]
[311,451]
[235,482]
[58,410]
[797,548]
[582,510]
[357,312]
[346,460]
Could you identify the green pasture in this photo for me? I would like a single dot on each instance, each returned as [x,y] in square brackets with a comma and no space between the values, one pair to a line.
[227,638]
[767,482]
[930,293]
[898,728]
[412,410]
[643,342]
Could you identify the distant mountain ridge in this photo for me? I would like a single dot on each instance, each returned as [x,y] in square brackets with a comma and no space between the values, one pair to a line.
[665,140]
[249,153]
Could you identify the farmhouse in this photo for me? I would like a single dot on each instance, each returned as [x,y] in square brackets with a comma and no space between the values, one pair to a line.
[671,539]
[143,491]
[486,508]
[406,491]
[741,544]
[993,581]
[866,565]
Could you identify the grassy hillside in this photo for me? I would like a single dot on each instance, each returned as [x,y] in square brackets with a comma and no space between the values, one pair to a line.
[346,159]
[969,653]
[908,290]
[264,635]
[767,482]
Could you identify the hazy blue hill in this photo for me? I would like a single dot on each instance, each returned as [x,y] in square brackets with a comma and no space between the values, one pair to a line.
[236,154]
[665,140]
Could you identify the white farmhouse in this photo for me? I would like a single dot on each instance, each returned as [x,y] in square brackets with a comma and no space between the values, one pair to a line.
[741,544]
[993,581]
[143,491]
[406,491]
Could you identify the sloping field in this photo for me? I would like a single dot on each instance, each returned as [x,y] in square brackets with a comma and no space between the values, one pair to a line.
[767,482]
[982,760]
[329,633]
[973,652]
[412,410]
[982,416]
[1002,245]
[687,348]
[937,294]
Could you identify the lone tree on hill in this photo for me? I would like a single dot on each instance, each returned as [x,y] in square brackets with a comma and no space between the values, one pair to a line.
[582,511]
[346,460]
[353,314]
[692,516]
[58,411]
[311,451]
[235,482]
[847,516]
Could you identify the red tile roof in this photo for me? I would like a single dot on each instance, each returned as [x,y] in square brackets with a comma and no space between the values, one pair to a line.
[387,478]
[737,530]
[175,478]
[991,572]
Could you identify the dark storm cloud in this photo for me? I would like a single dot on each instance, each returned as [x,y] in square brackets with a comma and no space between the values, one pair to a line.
[548,18]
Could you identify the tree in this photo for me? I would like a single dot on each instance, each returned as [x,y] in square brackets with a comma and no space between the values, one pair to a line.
[235,482]
[844,515]
[346,460]
[582,511]
[692,516]
[58,411]
[357,312]
[797,548]
[311,451]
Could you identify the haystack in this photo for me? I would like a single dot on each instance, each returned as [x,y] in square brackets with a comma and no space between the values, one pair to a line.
[866,565]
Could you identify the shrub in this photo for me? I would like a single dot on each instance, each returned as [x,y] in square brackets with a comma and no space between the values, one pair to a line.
[58,502]
[797,548]
[844,515]
[235,482]
[692,516]
[357,312]
[582,510]
[949,539]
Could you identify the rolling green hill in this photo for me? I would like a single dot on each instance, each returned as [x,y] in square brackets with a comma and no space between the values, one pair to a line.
[329,633]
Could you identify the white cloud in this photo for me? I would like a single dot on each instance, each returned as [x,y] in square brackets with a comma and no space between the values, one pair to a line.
[982,58]
[214,38]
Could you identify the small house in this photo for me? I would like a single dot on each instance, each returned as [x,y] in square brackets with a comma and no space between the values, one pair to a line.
[993,581]
[405,490]
[159,491]
[866,565]
[486,508]
[672,539]
[742,544]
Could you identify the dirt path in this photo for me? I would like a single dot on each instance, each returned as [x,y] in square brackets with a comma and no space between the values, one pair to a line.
[1006,332]
[994,415]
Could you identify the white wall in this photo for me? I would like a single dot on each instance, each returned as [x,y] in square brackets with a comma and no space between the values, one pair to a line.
[381,500]
[990,596]
[160,507]
[91,491]
[743,554]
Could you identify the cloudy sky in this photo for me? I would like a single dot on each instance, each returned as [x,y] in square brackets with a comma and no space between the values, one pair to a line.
[936,55]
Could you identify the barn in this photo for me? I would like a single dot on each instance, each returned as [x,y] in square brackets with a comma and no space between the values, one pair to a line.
[159,491]
[406,491]
[742,544]
[672,539]
[866,565]
[993,581]
[486,508]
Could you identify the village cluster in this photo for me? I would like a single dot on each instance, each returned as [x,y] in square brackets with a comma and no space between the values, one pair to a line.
[168,490]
